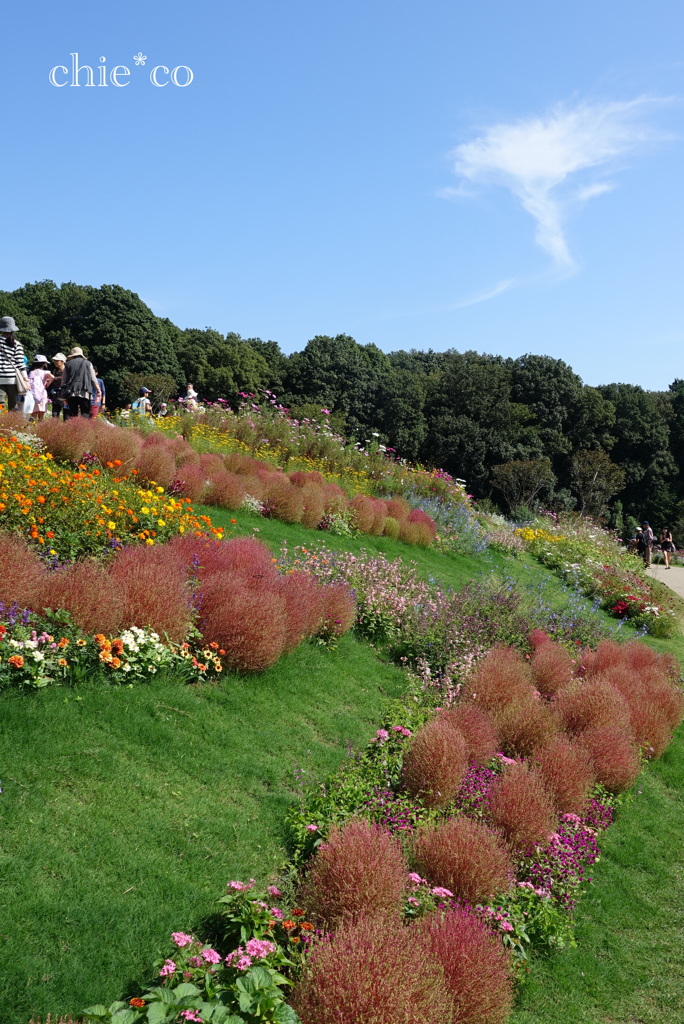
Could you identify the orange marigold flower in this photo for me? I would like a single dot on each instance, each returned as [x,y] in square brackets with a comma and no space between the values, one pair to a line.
[307,926]
[16,661]
[295,938]
[289,924]
[116,662]
[138,1003]
[214,646]
[298,913]
[63,662]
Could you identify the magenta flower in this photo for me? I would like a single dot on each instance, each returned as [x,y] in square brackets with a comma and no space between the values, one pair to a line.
[191,1015]
[168,968]
[274,891]
[211,956]
[312,828]
[439,891]
[181,939]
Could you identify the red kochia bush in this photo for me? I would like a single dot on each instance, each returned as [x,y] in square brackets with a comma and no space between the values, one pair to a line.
[477,967]
[397,508]
[112,444]
[415,533]
[338,609]
[190,481]
[313,506]
[21,572]
[552,668]
[435,763]
[372,971]
[363,512]
[303,597]
[211,463]
[87,590]
[244,557]
[285,500]
[359,870]
[521,806]
[524,725]
[417,515]
[226,490]
[567,772]
[503,676]
[478,729]
[594,702]
[464,856]
[156,464]
[249,624]
[613,756]
[538,638]
[68,440]
[607,655]
[153,581]
[649,727]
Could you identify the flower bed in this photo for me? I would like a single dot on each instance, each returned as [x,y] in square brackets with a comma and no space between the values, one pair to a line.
[595,561]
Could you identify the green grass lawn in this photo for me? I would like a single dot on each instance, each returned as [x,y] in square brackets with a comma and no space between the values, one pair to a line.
[127,809]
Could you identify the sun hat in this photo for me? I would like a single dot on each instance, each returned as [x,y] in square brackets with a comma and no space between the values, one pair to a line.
[75,352]
[60,357]
[144,391]
[40,359]
[7,325]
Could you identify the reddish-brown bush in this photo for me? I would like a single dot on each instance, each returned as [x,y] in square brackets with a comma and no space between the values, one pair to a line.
[640,657]
[567,772]
[607,655]
[591,702]
[334,498]
[67,441]
[236,463]
[552,668]
[379,517]
[613,755]
[225,490]
[524,725]
[249,624]
[435,763]
[397,508]
[359,870]
[13,422]
[153,581]
[372,971]
[301,479]
[183,453]
[521,806]
[415,533]
[313,506]
[190,481]
[363,513]
[284,501]
[538,638]
[416,515]
[503,676]
[253,485]
[669,699]
[155,465]
[157,441]
[649,727]
[243,557]
[212,464]
[22,575]
[463,856]
[478,729]
[303,604]
[112,445]
[338,608]
[477,967]
[87,590]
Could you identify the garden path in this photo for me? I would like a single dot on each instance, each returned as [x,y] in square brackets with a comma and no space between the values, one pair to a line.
[674,578]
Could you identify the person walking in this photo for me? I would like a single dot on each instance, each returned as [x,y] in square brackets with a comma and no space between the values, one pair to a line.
[79,382]
[39,380]
[142,404]
[647,540]
[97,405]
[13,380]
[55,392]
[666,544]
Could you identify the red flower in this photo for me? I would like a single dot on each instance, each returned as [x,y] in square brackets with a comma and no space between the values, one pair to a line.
[138,1003]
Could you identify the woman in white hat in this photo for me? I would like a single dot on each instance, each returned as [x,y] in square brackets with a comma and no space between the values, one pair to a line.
[39,380]
[11,362]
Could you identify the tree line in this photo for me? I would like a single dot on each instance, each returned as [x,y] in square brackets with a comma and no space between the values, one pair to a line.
[522,432]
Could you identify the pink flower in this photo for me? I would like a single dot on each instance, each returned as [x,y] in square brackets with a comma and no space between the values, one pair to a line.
[274,891]
[243,963]
[181,939]
[506,926]
[415,878]
[259,948]
[190,1015]
[211,956]
[278,914]
[312,828]
[196,961]
[413,901]
[439,891]
[168,968]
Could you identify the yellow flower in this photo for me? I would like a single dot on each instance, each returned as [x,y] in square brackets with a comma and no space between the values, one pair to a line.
[111,525]
[160,490]
[161,522]
[144,509]
[149,540]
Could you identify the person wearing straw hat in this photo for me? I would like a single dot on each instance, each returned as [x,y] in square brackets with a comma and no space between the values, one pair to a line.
[79,382]
[12,372]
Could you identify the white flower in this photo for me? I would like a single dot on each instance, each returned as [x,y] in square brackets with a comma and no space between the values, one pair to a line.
[38,656]
[127,667]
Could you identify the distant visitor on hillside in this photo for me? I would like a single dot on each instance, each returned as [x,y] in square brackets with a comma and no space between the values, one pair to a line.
[79,382]
[666,544]
[647,539]
[191,399]
[142,404]
[13,380]
[39,380]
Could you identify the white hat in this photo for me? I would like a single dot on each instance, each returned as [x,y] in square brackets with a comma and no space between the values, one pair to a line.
[7,325]
[40,359]
[60,357]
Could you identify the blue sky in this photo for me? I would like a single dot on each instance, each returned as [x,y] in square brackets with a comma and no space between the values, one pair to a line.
[493,176]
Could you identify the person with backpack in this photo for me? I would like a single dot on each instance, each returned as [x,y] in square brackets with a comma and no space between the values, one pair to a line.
[142,404]
[79,382]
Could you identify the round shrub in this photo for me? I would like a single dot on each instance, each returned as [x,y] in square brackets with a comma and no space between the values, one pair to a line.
[501,677]
[464,856]
[391,528]
[567,772]
[67,441]
[363,513]
[379,517]
[607,655]
[397,508]
[225,490]
[372,971]
[313,506]
[212,464]
[113,444]
[588,703]
[478,729]
[552,668]
[244,557]
[520,805]
[156,465]
[334,498]
[154,583]
[190,481]
[415,533]
[359,870]
[435,763]
[23,576]
[524,725]
[613,756]
[95,600]
[284,501]
[416,515]
[649,727]
[477,967]
[182,452]
[338,608]
[249,624]
[303,598]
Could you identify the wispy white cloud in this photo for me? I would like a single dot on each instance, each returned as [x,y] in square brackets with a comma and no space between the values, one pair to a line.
[502,286]
[536,158]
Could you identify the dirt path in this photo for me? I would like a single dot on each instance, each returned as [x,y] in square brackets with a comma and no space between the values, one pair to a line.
[672,578]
